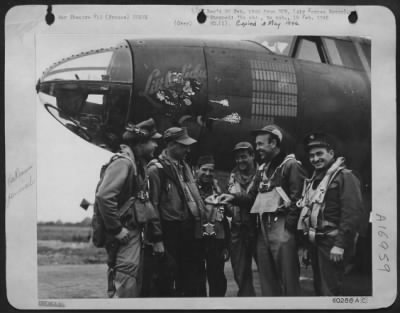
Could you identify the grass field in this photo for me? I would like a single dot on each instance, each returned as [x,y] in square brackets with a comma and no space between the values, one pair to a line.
[58,244]
[63,233]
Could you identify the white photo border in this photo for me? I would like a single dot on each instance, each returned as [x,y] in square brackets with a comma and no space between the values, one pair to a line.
[24,24]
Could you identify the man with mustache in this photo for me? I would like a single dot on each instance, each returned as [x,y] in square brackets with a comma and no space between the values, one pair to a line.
[331,210]
[280,179]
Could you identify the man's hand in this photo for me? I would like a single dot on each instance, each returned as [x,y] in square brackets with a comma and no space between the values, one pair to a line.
[226,254]
[123,235]
[158,248]
[336,254]
[225,198]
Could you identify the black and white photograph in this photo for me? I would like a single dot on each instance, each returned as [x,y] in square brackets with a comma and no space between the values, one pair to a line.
[218,152]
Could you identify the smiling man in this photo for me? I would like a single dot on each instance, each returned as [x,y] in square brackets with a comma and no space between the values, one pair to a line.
[215,228]
[242,224]
[331,209]
[276,250]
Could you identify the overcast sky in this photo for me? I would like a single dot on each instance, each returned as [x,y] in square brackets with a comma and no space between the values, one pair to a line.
[68,166]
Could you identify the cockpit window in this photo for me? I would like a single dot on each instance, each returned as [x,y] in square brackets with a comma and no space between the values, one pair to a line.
[348,54]
[83,67]
[112,64]
[90,93]
[277,44]
[332,51]
[367,52]
[308,50]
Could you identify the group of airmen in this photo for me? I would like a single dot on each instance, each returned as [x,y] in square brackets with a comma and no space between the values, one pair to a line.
[265,212]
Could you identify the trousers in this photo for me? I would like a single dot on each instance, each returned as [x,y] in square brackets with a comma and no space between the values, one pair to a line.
[242,253]
[214,266]
[328,275]
[124,267]
[151,265]
[277,259]
[179,273]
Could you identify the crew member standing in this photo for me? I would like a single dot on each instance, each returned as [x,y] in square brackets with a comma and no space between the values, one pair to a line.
[125,177]
[177,232]
[215,227]
[279,179]
[331,210]
[242,225]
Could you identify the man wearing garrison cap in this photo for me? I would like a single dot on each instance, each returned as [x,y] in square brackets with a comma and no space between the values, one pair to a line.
[176,235]
[331,206]
[124,176]
[272,197]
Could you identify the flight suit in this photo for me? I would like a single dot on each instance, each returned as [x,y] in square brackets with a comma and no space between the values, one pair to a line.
[243,235]
[277,257]
[123,259]
[338,223]
[216,245]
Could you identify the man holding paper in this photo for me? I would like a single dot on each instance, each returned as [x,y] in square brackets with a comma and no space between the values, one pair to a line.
[275,189]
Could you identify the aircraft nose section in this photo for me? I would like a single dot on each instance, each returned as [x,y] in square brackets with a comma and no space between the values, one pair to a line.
[90,93]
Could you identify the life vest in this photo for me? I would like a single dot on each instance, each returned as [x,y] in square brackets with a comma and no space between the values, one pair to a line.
[267,180]
[239,215]
[312,203]
[213,218]
[234,185]
[269,200]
